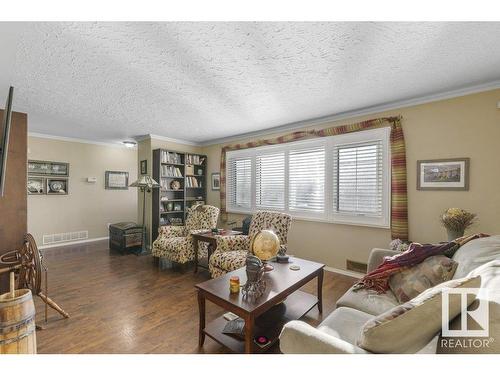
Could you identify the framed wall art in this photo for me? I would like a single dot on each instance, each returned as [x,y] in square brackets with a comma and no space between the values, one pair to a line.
[115,180]
[48,168]
[144,167]
[443,174]
[57,186]
[215,181]
[36,185]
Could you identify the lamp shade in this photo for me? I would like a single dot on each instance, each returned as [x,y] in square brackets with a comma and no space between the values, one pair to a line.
[145,182]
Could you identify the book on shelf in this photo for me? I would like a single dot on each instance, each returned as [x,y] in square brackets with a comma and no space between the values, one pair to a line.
[193,182]
[194,159]
[170,171]
[170,157]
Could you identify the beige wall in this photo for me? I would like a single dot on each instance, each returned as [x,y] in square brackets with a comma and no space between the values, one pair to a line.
[88,206]
[467,126]
[145,152]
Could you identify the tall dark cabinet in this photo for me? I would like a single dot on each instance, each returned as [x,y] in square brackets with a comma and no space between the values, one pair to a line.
[183,180]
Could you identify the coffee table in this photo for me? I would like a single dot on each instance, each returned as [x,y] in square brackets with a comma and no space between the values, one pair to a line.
[211,238]
[282,284]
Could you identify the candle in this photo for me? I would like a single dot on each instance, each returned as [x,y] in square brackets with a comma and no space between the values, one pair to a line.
[234,284]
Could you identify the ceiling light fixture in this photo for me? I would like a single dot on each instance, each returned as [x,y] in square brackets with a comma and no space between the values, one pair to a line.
[129,144]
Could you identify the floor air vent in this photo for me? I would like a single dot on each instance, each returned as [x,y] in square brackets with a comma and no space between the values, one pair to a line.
[356,266]
[49,239]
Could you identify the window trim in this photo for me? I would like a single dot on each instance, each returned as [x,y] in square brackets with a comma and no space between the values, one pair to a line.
[329,215]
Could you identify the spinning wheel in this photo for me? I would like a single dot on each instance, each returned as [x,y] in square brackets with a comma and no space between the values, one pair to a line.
[30,264]
[30,275]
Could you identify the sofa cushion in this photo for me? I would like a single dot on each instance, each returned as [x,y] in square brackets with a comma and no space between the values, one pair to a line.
[409,327]
[476,253]
[412,281]
[368,301]
[345,323]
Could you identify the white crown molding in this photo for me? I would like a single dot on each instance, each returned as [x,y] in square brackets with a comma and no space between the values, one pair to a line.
[78,140]
[68,243]
[167,139]
[359,112]
[301,124]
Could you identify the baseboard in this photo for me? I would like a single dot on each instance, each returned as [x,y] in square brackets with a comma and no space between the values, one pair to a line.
[356,275]
[69,243]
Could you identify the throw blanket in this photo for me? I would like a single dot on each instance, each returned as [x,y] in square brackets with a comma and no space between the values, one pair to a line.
[378,279]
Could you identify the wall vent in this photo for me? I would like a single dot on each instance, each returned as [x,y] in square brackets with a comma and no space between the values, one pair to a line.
[356,266]
[49,239]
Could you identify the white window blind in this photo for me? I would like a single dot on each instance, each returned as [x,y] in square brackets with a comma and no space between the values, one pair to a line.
[239,183]
[358,179]
[270,181]
[307,179]
[339,179]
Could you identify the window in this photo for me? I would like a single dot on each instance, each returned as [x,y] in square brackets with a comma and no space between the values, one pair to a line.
[307,179]
[339,179]
[270,181]
[239,191]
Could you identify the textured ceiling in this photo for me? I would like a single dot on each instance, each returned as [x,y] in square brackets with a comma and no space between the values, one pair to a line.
[201,81]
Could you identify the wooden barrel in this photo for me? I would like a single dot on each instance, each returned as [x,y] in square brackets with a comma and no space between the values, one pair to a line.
[17,323]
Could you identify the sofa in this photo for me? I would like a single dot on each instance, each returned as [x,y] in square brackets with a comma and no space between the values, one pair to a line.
[344,329]
[231,251]
[175,243]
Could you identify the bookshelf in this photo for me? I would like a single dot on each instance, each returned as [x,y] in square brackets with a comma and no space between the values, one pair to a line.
[183,180]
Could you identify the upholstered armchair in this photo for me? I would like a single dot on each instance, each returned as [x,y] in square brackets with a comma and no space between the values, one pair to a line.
[231,251]
[175,243]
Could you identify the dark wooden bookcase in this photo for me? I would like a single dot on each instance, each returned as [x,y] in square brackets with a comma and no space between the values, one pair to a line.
[169,204]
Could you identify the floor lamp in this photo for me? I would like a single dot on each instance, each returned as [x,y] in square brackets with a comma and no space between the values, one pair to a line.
[145,185]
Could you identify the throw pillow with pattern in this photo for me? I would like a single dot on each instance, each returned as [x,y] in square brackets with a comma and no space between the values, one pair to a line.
[412,281]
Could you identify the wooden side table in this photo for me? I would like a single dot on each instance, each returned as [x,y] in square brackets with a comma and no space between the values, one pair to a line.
[211,239]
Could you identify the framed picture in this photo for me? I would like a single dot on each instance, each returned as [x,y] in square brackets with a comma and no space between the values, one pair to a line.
[215,181]
[51,168]
[443,174]
[57,186]
[115,180]
[177,207]
[144,167]
[36,185]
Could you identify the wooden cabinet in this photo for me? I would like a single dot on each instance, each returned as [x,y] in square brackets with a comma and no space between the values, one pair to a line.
[183,180]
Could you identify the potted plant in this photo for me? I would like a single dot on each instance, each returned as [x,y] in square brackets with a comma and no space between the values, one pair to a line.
[456,220]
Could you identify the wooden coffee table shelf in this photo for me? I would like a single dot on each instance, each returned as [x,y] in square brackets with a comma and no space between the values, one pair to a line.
[297,305]
[282,285]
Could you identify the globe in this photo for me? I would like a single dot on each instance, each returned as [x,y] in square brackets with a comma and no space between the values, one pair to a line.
[265,245]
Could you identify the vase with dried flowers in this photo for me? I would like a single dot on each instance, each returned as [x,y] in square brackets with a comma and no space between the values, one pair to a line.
[456,221]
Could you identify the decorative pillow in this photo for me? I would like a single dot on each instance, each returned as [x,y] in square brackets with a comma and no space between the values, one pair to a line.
[412,281]
[409,327]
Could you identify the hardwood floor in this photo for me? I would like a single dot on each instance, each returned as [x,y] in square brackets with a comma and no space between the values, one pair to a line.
[125,304]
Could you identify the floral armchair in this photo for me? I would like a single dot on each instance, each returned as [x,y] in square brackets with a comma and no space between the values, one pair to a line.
[175,243]
[231,251]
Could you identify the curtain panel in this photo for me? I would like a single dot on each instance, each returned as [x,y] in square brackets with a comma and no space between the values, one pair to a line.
[399,194]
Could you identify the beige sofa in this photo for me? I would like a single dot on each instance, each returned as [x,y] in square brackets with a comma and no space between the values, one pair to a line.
[340,331]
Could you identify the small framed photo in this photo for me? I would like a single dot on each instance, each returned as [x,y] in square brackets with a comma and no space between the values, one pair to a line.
[57,186]
[144,167]
[36,185]
[215,181]
[443,174]
[115,180]
[177,207]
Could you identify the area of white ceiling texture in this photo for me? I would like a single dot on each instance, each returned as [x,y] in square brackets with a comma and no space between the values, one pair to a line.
[199,81]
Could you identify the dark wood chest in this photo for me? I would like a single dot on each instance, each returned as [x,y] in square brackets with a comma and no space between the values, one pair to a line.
[125,236]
